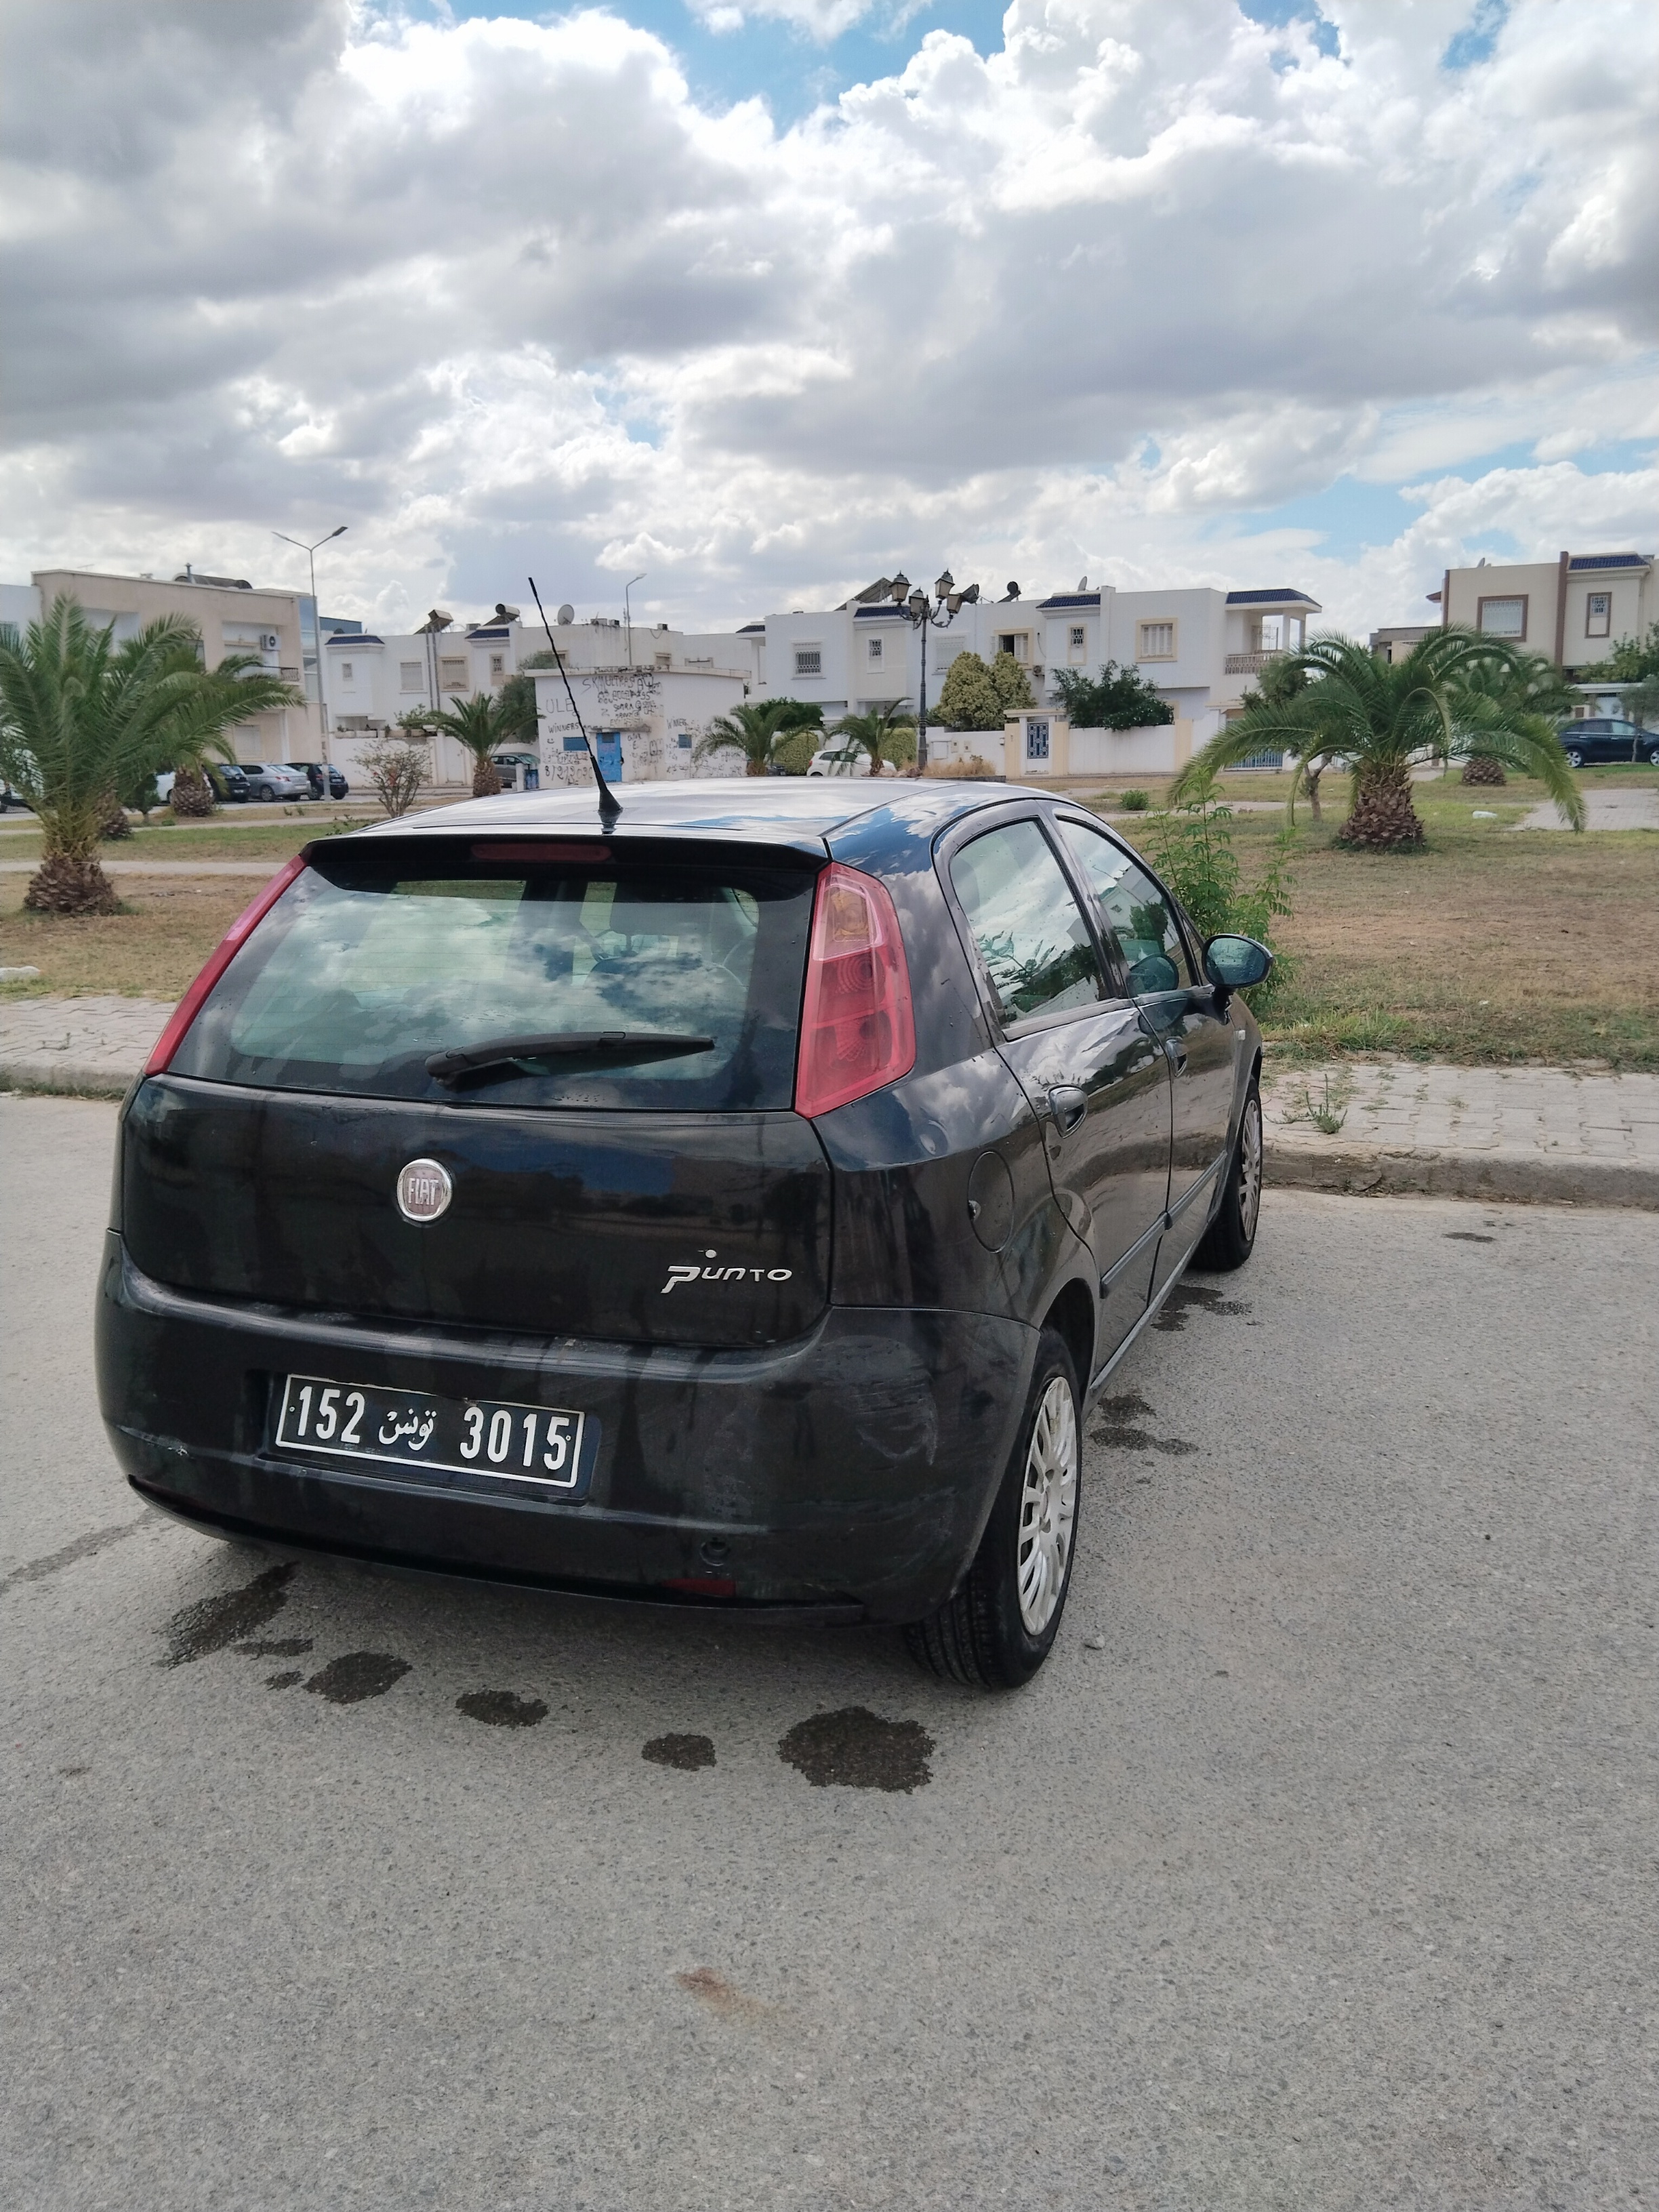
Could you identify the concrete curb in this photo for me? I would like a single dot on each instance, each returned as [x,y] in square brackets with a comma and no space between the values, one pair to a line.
[1507,1175]
[60,1078]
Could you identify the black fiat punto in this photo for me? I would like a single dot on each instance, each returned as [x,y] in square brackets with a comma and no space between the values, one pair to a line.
[735,1205]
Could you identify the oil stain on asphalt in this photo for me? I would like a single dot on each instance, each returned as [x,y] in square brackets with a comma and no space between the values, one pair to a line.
[1468,1237]
[686,1751]
[1185,1296]
[501,1709]
[855,1749]
[214,1622]
[357,1675]
[1118,1434]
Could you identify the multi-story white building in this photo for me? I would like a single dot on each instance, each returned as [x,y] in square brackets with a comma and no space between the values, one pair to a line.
[1201,648]
[657,682]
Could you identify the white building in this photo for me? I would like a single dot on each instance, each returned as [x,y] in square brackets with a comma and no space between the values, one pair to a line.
[658,681]
[1201,648]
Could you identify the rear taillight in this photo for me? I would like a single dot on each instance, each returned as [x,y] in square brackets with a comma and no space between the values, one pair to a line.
[856,1030]
[229,945]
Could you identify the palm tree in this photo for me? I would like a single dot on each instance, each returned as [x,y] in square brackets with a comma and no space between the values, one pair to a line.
[756,730]
[199,729]
[880,731]
[1380,716]
[82,718]
[1494,691]
[482,723]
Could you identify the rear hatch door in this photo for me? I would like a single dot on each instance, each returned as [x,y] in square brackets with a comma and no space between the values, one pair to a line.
[610,1125]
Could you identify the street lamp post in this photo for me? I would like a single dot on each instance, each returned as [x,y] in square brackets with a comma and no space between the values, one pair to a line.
[628,612]
[924,614]
[310,552]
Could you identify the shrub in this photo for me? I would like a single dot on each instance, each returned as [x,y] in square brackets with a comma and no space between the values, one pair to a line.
[397,767]
[967,699]
[1135,802]
[1193,848]
[1119,699]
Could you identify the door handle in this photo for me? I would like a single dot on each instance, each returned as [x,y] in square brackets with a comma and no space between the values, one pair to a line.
[1068,1103]
[1177,1051]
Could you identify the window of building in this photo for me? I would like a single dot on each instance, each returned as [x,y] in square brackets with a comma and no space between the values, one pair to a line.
[1078,644]
[664,661]
[1155,640]
[498,667]
[409,676]
[346,675]
[809,660]
[872,648]
[1598,615]
[452,672]
[1504,617]
[1017,641]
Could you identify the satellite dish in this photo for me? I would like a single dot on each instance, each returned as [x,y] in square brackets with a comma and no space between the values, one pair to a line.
[566,615]
[1083,583]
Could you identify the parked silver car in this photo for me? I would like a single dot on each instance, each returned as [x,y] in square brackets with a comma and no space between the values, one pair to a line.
[271,780]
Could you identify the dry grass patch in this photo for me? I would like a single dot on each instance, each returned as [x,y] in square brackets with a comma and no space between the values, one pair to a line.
[151,950]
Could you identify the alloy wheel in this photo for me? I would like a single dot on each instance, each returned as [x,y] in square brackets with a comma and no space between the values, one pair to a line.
[1250,1167]
[1048,1507]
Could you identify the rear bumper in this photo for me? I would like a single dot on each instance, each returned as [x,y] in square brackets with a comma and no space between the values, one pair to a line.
[847,1473]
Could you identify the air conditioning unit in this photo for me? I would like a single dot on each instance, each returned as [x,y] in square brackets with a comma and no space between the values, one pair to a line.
[270,640]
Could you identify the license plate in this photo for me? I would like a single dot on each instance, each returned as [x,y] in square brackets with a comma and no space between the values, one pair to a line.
[487,1444]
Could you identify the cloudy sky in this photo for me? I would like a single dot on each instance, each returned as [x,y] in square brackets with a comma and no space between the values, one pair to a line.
[765,297]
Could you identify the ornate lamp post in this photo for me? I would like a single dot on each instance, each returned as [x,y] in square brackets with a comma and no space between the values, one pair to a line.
[924,614]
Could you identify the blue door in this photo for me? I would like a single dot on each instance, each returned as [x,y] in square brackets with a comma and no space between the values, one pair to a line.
[607,744]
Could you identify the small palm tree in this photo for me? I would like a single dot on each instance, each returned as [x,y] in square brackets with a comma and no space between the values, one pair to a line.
[755,730]
[1380,716]
[886,733]
[1496,691]
[83,719]
[482,723]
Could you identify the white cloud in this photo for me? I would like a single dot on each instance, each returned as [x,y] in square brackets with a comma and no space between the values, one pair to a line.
[498,291]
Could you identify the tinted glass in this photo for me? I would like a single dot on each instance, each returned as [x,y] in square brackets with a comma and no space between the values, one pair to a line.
[1136,911]
[357,976]
[1027,926]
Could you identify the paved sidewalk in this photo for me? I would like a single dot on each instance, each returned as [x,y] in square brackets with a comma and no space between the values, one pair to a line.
[1526,1132]
[1603,810]
[1523,1133]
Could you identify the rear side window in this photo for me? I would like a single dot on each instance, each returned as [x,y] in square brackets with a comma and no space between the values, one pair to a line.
[367,968]
[1028,928]
[1135,910]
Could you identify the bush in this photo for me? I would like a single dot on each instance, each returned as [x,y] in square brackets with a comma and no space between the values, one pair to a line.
[1135,802]
[1191,847]
[1120,699]
[793,753]
[1012,684]
[397,767]
[967,699]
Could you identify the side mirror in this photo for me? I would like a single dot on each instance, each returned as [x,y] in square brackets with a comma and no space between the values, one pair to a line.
[1233,963]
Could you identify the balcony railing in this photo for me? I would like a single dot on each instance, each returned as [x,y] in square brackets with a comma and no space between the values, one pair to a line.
[1252,663]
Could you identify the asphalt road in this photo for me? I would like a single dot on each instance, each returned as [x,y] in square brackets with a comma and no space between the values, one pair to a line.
[1327,1881]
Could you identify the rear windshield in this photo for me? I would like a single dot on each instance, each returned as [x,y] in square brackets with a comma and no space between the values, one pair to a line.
[368,966]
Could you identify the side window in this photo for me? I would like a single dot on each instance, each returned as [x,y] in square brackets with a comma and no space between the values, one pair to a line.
[1027,925]
[1136,910]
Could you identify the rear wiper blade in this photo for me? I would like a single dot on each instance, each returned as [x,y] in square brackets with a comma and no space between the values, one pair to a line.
[586,1044]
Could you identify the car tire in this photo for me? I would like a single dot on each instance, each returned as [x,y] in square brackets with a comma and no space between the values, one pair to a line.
[1653,756]
[1229,1239]
[264,791]
[1001,1625]
[1575,757]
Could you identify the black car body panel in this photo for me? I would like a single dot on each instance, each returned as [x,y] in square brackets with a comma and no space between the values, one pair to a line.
[805,1343]
[1609,738]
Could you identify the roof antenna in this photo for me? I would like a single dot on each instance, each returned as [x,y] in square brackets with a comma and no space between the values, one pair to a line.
[609,805]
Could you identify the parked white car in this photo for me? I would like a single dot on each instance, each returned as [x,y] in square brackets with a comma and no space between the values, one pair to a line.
[845,758]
